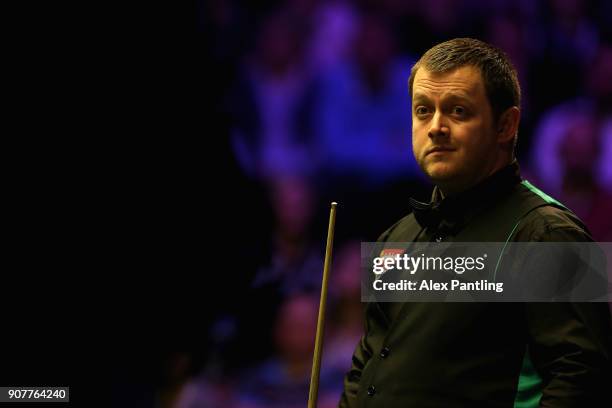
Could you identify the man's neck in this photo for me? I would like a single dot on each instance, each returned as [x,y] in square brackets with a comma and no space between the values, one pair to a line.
[453,189]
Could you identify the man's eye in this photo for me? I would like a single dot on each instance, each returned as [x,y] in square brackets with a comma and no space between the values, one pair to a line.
[459,110]
[421,110]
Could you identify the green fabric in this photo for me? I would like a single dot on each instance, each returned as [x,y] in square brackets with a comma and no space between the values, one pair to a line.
[542,194]
[548,199]
[529,389]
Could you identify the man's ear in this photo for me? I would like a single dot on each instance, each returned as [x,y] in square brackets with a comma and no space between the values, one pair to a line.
[507,125]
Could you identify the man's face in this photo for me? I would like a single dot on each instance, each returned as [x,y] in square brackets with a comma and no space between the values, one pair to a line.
[453,134]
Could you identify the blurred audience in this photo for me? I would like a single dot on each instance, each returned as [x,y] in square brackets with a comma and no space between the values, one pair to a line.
[364,113]
[293,266]
[295,257]
[283,380]
[345,318]
[271,103]
[593,103]
[334,25]
[580,190]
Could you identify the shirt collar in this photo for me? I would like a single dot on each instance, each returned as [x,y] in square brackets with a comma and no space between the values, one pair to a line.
[454,211]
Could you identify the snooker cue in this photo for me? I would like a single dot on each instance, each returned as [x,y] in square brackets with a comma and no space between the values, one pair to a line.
[318,349]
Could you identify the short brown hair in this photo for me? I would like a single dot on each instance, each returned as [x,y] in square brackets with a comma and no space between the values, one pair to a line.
[498,74]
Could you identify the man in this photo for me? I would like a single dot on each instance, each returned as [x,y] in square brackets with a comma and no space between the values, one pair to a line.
[465,115]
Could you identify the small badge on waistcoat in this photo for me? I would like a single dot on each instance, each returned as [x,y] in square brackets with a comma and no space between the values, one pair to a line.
[390,253]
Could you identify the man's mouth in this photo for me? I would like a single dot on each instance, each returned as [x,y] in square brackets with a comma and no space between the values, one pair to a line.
[440,149]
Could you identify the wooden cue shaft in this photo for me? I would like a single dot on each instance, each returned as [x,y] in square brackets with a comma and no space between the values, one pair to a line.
[316,360]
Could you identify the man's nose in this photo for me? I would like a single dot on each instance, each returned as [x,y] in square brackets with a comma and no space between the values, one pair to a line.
[438,126]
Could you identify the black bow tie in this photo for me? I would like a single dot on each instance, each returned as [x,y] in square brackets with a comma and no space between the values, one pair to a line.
[437,215]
